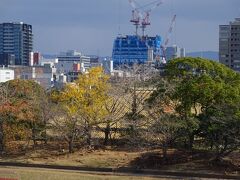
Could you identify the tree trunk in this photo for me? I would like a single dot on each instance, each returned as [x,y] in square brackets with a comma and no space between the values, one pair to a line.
[164,149]
[34,136]
[133,117]
[1,138]
[70,145]
[211,145]
[45,132]
[45,137]
[89,136]
[106,132]
[134,103]
[190,141]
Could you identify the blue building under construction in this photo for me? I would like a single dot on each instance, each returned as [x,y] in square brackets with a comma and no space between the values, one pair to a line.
[133,49]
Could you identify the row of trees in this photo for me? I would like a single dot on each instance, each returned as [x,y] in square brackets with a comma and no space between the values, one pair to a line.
[195,100]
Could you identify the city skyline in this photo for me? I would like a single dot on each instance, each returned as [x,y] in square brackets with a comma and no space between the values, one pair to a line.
[91,26]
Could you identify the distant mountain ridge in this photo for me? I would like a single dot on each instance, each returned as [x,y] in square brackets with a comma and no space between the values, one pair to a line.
[212,55]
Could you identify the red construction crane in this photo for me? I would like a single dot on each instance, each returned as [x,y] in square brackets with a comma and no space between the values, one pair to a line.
[136,15]
[146,18]
[142,16]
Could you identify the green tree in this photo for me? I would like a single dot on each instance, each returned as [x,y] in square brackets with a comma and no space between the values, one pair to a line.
[165,125]
[201,85]
[165,130]
[220,127]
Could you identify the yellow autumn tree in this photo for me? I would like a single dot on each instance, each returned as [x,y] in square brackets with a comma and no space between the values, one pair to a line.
[93,94]
[83,101]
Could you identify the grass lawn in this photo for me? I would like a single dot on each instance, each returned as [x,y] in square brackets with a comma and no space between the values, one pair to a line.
[42,174]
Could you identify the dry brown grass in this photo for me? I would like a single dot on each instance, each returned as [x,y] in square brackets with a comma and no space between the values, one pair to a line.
[134,158]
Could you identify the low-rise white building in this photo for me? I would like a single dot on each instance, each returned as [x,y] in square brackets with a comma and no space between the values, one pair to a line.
[6,74]
[44,75]
[66,62]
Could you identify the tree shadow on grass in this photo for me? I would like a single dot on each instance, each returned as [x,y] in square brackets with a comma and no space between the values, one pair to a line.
[155,160]
[184,160]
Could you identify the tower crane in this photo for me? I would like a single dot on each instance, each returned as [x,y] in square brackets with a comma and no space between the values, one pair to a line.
[163,47]
[146,18]
[136,15]
[140,16]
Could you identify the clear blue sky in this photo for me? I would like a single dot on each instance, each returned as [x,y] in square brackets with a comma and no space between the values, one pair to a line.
[90,26]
